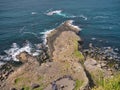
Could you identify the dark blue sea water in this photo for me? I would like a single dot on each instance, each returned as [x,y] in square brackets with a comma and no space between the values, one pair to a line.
[22,20]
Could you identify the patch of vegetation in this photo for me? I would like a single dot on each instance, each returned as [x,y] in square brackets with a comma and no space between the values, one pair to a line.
[26,88]
[98,79]
[77,53]
[17,80]
[78,84]
[39,88]
[40,78]
[108,84]
[21,81]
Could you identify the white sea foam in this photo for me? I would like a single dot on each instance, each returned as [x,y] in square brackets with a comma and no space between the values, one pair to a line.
[70,22]
[65,15]
[45,35]
[15,50]
[36,53]
[53,12]
[33,13]
[93,38]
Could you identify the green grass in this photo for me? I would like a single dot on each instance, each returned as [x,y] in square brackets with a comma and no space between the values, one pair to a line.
[20,80]
[39,88]
[40,78]
[26,88]
[108,84]
[77,53]
[78,84]
[17,80]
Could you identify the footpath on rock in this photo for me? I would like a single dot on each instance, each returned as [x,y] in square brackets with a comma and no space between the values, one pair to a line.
[66,68]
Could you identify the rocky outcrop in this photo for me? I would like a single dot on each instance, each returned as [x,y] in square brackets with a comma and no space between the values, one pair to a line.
[66,26]
[23,57]
[65,50]
[65,69]
[64,72]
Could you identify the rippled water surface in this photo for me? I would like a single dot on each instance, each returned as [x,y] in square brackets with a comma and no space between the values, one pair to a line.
[22,20]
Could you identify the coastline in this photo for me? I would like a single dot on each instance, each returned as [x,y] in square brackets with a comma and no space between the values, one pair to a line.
[60,66]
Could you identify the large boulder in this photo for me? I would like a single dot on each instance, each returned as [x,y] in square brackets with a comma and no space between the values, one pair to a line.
[23,57]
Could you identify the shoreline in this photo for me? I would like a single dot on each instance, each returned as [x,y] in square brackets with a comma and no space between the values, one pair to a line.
[62,65]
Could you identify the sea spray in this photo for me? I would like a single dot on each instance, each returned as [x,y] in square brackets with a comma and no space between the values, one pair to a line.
[15,50]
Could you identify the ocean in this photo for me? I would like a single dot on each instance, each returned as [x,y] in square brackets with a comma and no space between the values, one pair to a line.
[22,20]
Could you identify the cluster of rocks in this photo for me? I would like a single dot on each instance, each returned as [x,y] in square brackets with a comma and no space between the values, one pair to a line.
[44,56]
[98,67]
[5,70]
[105,55]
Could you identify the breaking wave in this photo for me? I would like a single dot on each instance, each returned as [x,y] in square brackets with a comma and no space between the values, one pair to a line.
[63,14]
[70,22]
[45,34]
[10,54]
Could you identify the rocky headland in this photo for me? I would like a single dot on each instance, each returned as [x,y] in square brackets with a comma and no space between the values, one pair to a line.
[63,65]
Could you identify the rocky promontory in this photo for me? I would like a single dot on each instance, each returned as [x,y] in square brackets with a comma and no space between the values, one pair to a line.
[62,66]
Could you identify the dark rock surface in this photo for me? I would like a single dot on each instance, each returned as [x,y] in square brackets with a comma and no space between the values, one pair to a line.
[104,54]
